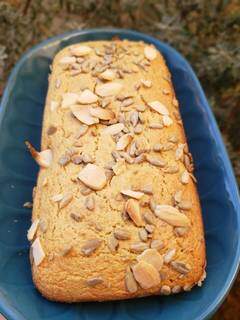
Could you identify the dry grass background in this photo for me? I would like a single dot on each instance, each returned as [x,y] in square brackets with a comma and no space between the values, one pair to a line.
[206,32]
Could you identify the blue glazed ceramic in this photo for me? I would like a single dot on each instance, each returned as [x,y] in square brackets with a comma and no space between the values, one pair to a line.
[21,118]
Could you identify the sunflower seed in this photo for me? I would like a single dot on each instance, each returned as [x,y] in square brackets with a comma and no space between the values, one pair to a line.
[141,158]
[143,236]
[184,177]
[92,282]
[85,191]
[130,282]
[171,169]
[76,159]
[90,203]
[134,118]
[86,158]
[167,121]
[178,196]
[180,267]
[67,198]
[180,231]
[112,243]
[155,125]
[166,91]
[169,255]
[76,216]
[187,287]
[157,244]
[90,246]
[173,139]
[82,131]
[179,151]
[149,228]
[127,102]
[159,108]
[57,83]
[150,52]
[176,289]
[175,102]
[64,160]
[43,225]
[121,234]
[51,130]
[157,147]
[147,189]
[138,247]
[185,205]
[152,205]
[148,217]
[165,290]
[127,157]
[156,161]
[141,108]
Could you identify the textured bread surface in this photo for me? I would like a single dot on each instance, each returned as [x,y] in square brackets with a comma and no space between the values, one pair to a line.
[67,273]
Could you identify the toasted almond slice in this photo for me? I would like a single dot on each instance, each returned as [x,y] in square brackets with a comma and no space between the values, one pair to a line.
[146,83]
[133,210]
[93,176]
[67,60]
[108,89]
[82,113]
[43,158]
[130,282]
[54,105]
[87,97]
[108,75]
[32,230]
[68,99]
[185,177]
[167,121]
[123,142]
[38,253]
[132,194]
[172,216]
[113,129]
[158,107]
[153,257]
[103,114]
[80,50]
[150,52]
[146,275]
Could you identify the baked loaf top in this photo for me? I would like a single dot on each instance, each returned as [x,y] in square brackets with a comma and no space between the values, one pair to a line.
[116,213]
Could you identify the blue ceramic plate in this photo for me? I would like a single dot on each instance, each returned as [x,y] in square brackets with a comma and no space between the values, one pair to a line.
[21,118]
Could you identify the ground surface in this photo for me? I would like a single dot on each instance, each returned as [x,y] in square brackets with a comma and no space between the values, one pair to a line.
[205,32]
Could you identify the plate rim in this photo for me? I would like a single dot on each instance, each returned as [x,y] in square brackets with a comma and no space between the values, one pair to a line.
[12,313]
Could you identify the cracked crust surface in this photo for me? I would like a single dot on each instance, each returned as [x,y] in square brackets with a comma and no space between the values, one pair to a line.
[63,276]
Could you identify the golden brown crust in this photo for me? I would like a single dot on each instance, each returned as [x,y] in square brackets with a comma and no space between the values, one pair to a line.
[65,226]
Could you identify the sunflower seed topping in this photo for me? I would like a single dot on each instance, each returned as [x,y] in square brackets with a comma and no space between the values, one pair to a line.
[92,282]
[180,267]
[121,234]
[90,246]
[90,203]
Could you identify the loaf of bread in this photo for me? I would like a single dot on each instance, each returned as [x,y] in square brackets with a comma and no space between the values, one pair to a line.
[116,213]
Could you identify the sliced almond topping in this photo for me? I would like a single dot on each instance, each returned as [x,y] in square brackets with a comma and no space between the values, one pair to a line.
[67,60]
[123,142]
[133,210]
[32,230]
[172,216]
[150,52]
[87,97]
[90,246]
[113,129]
[130,282]
[122,234]
[82,113]
[146,83]
[103,114]
[146,275]
[80,50]
[43,158]
[167,121]
[108,89]
[37,251]
[153,257]
[93,176]
[132,194]
[159,107]
[108,75]
[68,99]
[185,177]
[169,255]
[54,105]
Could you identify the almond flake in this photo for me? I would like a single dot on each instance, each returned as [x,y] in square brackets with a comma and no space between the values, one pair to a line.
[153,257]
[90,246]
[132,194]
[172,216]
[67,60]
[82,113]
[167,121]
[185,177]
[80,50]
[169,255]
[146,275]
[32,230]
[138,247]
[146,83]
[68,99]
[103,114]
[37,251]
[113,129]
[108,89]
[112,243]
[159,107]
[81,131]
[93,176]
[87,97]
[133,210]
[150,52]
[54,105]
[43,158]
[94,281]
[130,282]
[108,75]
[122,234]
